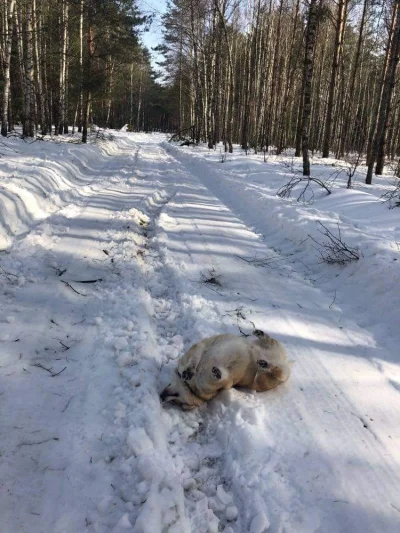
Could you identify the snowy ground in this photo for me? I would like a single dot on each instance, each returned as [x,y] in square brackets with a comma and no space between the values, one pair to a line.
[85,444]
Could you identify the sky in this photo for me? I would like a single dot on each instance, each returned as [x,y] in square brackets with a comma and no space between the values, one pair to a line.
[153,37]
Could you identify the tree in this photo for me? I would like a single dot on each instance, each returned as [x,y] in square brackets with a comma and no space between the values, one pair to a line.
[73,59]
[393,47]
[312,24]
[8,18]
[339,34]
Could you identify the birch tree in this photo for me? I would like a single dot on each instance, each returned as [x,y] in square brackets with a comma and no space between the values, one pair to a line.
[8,17]
[312,22]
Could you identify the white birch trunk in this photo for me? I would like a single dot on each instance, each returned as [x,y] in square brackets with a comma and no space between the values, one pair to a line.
[8,29]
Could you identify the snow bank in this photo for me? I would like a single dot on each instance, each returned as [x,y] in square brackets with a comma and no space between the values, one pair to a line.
[248,185]
[38,178]
[101,298]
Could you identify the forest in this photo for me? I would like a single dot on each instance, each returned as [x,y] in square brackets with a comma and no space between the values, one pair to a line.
[316,75]
[199,266]
[69,63]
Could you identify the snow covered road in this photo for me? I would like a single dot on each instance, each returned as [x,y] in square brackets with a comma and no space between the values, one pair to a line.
[86,445]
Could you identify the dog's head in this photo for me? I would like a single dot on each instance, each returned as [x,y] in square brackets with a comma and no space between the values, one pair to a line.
[178,393]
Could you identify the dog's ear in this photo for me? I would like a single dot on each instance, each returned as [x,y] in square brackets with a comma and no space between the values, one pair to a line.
[216,372]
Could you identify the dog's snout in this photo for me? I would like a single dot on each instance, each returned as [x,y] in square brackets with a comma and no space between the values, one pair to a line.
[164,394]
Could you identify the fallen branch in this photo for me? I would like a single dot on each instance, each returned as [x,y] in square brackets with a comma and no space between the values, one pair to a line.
[212,279]
[67,405]
[59,271]
[262,262]
[39,442]
[80,322]
[393,196]
[335,250]
[39,365]
[239,313]
[212,289]
[49,370]
[64,346]
[8,274]
[286,190]
[333,301]
[72,288]
[87,280]
[58,373]
[178,134]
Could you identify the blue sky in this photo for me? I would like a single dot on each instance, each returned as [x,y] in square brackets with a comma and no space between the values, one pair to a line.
[154,36]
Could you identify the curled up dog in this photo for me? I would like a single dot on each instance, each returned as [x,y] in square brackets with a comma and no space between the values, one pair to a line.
[257,362]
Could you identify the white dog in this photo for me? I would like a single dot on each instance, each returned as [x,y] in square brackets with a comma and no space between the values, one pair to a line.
[257,362]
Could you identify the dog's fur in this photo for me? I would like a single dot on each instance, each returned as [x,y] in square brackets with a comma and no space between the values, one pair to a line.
[257,362]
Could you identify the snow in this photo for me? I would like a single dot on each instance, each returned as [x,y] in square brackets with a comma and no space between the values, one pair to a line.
[86,445]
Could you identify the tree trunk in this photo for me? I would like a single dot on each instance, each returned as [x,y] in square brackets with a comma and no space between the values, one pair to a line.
[312,24]
[88,72]
[29,75]
[349,100]
[386,98]
[8,30]
[63,66]
[139,106]
[341,15]
[66,68]
[39,84]
[80,112]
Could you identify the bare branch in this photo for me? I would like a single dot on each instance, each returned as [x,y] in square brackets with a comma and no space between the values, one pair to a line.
[71,287]
[286,190]
[335,250]
[38,442]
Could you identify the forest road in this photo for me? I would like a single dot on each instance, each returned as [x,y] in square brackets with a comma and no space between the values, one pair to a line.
[167,260]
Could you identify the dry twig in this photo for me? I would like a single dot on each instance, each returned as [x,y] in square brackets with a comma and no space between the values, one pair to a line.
[335,250]
[38,442]
[212,279]
[71,287]
[87,280]
[49,370]
[286,190]
[260,262]
[393,196]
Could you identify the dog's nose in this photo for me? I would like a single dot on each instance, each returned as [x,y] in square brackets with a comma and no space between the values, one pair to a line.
[164,394]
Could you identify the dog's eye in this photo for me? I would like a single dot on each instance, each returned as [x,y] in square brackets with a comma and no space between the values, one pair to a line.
[216,372]
[187,374]
[262,363]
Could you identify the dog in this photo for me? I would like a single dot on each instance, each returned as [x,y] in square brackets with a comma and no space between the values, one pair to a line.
[256,362]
